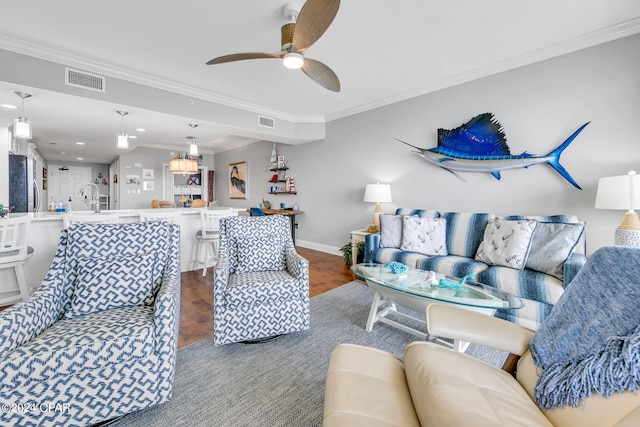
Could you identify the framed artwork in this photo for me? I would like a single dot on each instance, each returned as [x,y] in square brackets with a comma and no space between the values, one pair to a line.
[44,173]
[44,184]
[147,173]
[238,182]
[147,185]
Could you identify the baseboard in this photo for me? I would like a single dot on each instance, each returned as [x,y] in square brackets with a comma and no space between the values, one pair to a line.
[333,250]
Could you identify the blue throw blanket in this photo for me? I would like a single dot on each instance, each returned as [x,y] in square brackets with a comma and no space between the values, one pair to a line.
[591,341]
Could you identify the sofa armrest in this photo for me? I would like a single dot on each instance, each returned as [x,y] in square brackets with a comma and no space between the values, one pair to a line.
[572,265]
[371,243]
[460,324]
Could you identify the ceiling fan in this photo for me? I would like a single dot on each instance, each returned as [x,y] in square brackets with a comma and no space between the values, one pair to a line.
[306,26]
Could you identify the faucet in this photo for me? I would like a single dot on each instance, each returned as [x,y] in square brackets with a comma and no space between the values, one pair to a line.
[95,199]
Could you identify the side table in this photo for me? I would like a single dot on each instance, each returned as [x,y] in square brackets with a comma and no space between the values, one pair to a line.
[356,237]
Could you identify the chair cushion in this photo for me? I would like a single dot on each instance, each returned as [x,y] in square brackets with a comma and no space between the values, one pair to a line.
[116,240]
[260,288]
[452,389]
[83,343]
[260,253]
[506,243]
[424,235]
[115,282]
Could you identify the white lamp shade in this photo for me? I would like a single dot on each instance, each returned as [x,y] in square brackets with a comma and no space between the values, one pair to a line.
[22,128]
[123,141]
[183,166]
[193,149]
[614,192]
[377,193]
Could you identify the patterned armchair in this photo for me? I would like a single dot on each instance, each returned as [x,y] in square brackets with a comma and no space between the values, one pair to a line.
[260,283]
[98,338]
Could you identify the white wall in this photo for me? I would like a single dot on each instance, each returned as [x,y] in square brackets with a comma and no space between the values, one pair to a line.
[539,106]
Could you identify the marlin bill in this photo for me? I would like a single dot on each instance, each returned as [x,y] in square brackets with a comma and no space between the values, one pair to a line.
[480,145]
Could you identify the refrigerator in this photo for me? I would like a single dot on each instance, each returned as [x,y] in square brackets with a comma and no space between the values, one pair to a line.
[24,194]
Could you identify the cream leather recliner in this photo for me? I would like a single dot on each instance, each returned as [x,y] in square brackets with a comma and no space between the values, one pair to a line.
[436,386]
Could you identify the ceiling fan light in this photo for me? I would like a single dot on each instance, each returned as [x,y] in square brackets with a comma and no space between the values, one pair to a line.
[293,60]
[22,128]
[123,141]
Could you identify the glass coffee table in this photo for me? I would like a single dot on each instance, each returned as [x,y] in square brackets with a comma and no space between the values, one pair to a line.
[412,289]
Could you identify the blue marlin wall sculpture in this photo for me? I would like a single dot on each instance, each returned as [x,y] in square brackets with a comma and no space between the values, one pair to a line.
[480,145]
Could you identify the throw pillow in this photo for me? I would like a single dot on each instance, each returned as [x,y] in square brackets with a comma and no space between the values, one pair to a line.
[390,231]
[506,243]
[113,282]
[551,245]
[424,235]
[260,253]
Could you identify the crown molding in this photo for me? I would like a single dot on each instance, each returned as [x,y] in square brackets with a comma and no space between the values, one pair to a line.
[90,65]
[621,30]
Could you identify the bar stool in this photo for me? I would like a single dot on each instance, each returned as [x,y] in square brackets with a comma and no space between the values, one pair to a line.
[98,218]
[208,235]
[169,215]
[14,253]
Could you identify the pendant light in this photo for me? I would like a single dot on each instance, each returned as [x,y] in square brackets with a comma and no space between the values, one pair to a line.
[21,125]
[182,163]
[193,146]
[123,138]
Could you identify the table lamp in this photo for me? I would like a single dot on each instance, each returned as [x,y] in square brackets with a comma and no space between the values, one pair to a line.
[377,193]
[622,192]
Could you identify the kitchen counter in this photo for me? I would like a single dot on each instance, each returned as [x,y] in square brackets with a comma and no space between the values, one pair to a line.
[44,232]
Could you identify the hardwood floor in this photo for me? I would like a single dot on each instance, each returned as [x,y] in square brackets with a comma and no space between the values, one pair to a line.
[326,272]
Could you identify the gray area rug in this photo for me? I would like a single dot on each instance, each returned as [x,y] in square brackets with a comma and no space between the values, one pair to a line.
[276,383]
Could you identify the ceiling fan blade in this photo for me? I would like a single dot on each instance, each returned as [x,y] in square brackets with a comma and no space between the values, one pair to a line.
[241,56]
[321,74]
[313,20]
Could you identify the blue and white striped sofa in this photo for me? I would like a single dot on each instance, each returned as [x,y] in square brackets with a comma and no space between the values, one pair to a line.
[464,233]
[260,283]
[87,346]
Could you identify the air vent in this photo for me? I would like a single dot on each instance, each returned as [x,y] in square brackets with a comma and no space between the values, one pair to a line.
[267,122]
[84,80]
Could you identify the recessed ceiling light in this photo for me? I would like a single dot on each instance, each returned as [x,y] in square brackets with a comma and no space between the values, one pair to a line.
[140,130]
[79,143]
[80,158]
[9,106]
[133,137]
[53,143]
[63,153]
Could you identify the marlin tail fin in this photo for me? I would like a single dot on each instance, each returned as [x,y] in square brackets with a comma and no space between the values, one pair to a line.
[554,160]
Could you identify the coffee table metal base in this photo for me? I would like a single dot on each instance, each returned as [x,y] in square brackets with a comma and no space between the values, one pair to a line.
[385,296]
